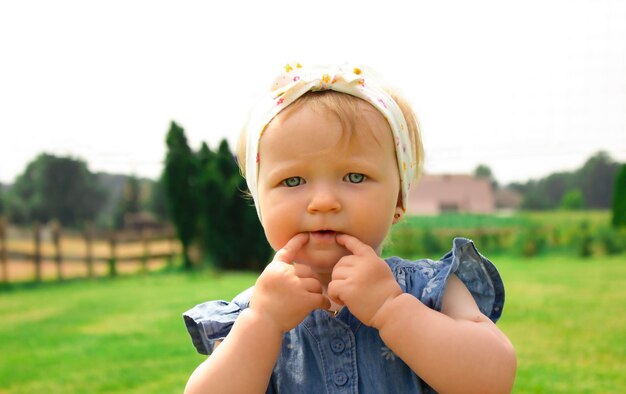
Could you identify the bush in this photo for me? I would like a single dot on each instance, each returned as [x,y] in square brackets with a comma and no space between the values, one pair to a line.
[531,241]
[612,241]
[573,200]
[581,233]
[619,199]
[432,246]
[585,248]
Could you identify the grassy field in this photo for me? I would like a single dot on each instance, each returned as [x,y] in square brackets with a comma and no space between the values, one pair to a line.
[567,319]
[517,219]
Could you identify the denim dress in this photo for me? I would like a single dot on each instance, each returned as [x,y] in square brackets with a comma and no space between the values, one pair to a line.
[326,354]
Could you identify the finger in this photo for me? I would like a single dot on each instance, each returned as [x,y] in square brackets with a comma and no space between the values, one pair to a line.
[341,271]
[304,271]
[288,252]
[354,245]
[322,302]
[312,285]
[334,291]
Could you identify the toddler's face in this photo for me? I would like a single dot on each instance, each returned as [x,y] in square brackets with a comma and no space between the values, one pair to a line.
[319,179]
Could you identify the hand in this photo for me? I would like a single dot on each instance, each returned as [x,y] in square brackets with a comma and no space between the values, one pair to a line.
[362,281]
[286,293]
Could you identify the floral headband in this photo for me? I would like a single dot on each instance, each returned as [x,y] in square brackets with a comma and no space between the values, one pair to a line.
[297,80]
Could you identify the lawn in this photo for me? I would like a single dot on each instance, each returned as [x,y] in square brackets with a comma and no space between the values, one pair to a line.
[456,221]
[106,335]
[566,318]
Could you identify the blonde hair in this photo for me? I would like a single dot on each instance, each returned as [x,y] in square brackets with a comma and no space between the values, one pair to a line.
[346,108]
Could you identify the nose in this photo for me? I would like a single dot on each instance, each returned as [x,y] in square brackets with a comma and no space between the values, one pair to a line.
[324,199]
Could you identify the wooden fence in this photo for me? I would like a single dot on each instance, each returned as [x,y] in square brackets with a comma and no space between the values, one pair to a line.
[43,252]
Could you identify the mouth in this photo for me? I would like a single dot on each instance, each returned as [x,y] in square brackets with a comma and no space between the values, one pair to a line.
[323,234]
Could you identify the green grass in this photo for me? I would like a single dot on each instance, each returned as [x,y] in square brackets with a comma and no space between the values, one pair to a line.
[566,318]
[124,335]
[458,221]
[518,219]
[464,221]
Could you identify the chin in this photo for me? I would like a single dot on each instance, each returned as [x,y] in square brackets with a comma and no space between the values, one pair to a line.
[321,260]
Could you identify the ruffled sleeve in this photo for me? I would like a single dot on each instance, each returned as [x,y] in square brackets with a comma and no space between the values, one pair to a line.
[212,321]
[427,279]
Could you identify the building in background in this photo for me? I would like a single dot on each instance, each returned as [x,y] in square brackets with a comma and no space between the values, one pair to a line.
[435,194]
[508,200]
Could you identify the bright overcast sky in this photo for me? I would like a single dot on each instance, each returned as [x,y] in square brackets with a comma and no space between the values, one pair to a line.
[527,87]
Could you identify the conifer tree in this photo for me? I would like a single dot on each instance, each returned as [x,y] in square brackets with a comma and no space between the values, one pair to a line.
[232,236]
[211,206]
[179,180]
[619,198]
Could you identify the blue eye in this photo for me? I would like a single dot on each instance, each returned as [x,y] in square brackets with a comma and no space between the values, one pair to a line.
[355,177]
[293,181]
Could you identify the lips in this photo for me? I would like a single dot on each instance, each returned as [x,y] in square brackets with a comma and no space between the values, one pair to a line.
[324,232]
[323,235]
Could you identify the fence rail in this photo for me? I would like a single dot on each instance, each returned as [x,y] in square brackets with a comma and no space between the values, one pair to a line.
[50,251]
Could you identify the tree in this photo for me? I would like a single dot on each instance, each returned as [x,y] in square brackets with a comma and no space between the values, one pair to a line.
[573,200]
[483,171]
[206,204]
[179,179]
[129,202]
[547,193]
[596,179]
[619,199]
[232,235]
[248,230]
[212,206]
[54,187]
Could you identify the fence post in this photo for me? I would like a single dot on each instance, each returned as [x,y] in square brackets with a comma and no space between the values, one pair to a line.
[146,249]
[56,240]
[113,256]
[89,247]
[171,237]
[37,252]
[3,250]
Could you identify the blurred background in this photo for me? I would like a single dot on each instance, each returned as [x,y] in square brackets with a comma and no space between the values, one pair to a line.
[121,204]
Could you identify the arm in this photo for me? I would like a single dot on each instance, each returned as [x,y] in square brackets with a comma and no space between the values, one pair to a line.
[283,296]
[477,356]
[251,346]
[458,350]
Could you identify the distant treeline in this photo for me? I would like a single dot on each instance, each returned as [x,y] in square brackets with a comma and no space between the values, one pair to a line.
[589,187]
[64,189]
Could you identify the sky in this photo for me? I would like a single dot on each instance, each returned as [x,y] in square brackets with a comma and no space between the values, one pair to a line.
[527,87]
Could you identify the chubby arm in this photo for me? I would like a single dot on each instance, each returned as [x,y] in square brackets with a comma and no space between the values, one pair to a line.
[251,346]
[283,296]
[457,350]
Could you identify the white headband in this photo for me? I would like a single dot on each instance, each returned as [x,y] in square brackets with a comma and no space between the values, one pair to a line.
[297,80]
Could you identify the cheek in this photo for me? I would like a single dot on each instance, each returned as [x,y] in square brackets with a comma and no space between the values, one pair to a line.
[278,227]
[376,223]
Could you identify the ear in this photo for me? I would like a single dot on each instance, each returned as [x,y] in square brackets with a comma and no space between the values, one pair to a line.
[397,215]
[399,211]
